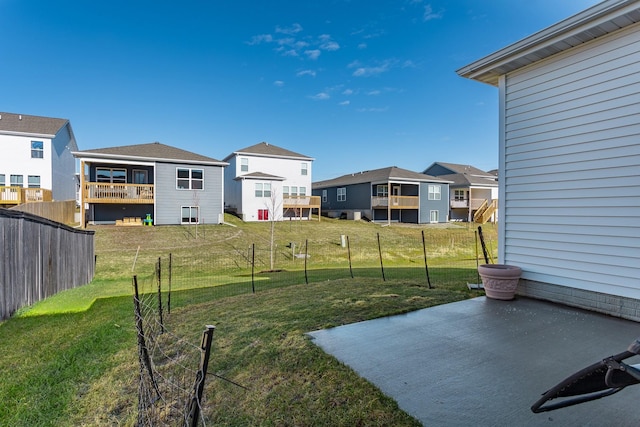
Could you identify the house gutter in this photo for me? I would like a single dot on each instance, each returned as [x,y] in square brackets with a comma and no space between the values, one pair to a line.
[554,39]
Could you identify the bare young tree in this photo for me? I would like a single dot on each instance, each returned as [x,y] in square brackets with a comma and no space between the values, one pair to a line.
[274,208]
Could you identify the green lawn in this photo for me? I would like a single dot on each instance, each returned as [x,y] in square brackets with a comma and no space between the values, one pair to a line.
[72,359]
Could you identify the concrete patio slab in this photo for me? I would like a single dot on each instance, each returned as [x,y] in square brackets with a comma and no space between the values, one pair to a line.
[484,362]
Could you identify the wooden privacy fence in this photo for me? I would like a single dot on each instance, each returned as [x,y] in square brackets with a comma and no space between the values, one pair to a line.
[63,211]
[39,258]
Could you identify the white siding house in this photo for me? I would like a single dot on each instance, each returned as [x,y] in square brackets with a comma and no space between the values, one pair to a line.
[265,182]
[36,157]
[569,167]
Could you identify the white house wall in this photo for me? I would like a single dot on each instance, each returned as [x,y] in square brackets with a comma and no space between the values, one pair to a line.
[63,166]
[240,194]
[16,160]
[570,201]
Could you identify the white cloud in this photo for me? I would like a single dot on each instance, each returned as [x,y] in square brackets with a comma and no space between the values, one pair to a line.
[347,102]
[288,52]
[306,73]
[371,71]
[374,92]
[372,110]
[278,83]
[294,29]
[348,92]
[429,14]
[320,96]
[362,46]
[260,38]
[327,44]
[312,53]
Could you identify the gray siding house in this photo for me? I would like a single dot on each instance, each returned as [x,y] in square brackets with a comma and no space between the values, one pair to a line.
[569,164]
[389,194]
[472,191]
[172,185]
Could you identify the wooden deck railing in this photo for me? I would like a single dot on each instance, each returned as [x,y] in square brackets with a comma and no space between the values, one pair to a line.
[18,195]
[396,202]
[466,203]
[95,192]
[291,202]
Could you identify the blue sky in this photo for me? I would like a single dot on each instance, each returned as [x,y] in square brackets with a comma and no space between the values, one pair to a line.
[355,84]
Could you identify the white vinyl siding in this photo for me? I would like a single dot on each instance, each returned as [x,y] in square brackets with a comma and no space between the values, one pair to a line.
[571,156]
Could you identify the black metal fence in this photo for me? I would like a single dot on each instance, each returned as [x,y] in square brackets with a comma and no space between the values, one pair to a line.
[173,370]
[232,270]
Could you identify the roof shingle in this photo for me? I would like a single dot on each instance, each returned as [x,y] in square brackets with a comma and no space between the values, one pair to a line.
[26,124]
[153,151]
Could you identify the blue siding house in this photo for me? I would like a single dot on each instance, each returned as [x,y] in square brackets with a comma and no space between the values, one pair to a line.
[171,185]
[389,194]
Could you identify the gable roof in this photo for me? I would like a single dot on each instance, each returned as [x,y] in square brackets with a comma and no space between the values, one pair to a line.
[391,173]
[466,175]
[154,151]
[458,168]
[23,124]
[268,150]
[597,21]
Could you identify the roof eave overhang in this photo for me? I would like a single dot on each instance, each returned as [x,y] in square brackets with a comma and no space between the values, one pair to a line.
[597,21]
[97,156]
[274,156]
[29,134]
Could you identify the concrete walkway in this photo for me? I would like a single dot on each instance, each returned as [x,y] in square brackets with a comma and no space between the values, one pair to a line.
[483,362]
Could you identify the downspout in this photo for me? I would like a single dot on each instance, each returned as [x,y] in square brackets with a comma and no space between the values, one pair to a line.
[83,223]
[389,195]
[502,93]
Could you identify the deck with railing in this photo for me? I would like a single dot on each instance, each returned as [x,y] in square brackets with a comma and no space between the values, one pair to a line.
[396,202]
[298,202]
[95,192]
[466,203]
[13,195]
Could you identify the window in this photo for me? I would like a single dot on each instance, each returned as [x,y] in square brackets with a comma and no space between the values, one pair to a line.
[434,192]
[303,168]
[189,179]
[302,191]
[458,195]
[190,214]
[285,190]
[383,191]
[324,196]
[244,164]
[37,150]
[118,176]
[263,214]
[434,216]
[33,181]
[294,191]
[140,176]
[16,180]
[2,180]
[342,194]
[263,189]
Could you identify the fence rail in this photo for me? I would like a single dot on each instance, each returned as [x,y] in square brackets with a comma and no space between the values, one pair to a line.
[40,258]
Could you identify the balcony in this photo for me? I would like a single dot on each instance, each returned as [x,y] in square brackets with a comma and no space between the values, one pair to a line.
[297,202]
[19,195]
[464,204]
[396,202]
[118,193]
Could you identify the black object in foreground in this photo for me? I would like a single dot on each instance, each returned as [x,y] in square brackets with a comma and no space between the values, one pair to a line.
[601,379]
